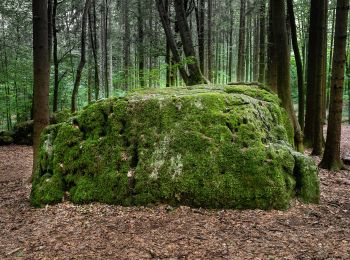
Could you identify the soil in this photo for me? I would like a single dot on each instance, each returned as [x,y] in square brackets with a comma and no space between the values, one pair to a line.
[98,231]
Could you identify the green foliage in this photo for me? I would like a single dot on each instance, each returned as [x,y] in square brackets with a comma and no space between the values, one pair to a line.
[213,147]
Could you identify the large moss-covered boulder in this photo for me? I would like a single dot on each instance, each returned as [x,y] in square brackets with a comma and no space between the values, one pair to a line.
[213,147]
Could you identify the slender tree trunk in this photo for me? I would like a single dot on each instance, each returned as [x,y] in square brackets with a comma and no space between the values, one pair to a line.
[210,44]
[108,73]
[241,43]
[330,60]
[126,43]
[301,94]
[93,40]
[200,31]
[171,39]
[82,58]
[256,50]
[348,76]
[141,52]
[195,75]
[331,158]
[262,38]
[283,66]
[55,57]
[313,116]
[50,30]
[324,74]
[171,70]
[41,72]
[271,72]
[110,50]
[230,43]
[318,140]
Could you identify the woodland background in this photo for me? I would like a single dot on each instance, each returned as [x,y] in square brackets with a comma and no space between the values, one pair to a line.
[126,48]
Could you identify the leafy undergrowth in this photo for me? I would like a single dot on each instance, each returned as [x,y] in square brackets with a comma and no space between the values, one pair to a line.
[105,231]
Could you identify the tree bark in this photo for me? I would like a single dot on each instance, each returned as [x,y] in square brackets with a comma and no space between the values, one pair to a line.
[141,52]
[210,44]
[163,13]
[271,72]
[50,27]
[241,43]
[331,158]
[195,75]
[299,64]
[41,72]
[330,60]
[262,47]
[55,57]
[256,48]
[283,66]
[126,43]
[315,73]
[200,31]
[82,56]
[93,40]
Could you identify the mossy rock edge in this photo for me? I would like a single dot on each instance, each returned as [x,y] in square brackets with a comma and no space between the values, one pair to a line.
[203,146]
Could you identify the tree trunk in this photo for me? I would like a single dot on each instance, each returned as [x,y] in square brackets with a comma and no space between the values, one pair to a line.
[55,57]
[330,60]
[283,66]
[93,40]
[299,64]
[126,43]
[163,13]
[200,31]
[82,57]
[271,72]
[50,29]
[210,44]
[315,73]
[230,43]
[41,72]
[331,158]
[262,47]
[141,52]
[256,49]
[241,43]
[195,75]
[348,74]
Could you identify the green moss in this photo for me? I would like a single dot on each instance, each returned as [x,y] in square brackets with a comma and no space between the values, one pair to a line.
[60,116]
[214,147]
[306,174]
[47,188]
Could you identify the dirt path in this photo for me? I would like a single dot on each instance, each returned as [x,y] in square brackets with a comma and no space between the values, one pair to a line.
[109,232]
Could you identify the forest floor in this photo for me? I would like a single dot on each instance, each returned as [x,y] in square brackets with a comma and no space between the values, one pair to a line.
[111,232]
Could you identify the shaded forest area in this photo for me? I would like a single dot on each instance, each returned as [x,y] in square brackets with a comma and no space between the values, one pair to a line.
[100,48]
[126,48]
